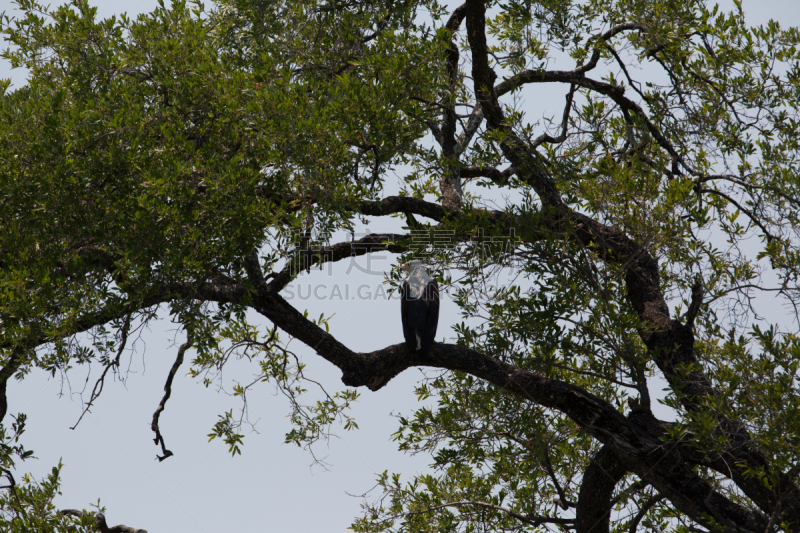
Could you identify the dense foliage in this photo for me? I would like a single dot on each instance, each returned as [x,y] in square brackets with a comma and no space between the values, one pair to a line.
[198,159]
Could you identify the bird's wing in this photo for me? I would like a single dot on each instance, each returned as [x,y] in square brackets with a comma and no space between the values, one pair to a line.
[404,303]
[432,320]
[405,310]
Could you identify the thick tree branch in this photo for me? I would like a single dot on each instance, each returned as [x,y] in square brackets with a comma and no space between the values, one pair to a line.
[8,370]
[491,173]
[593,512]
[456,17]
[450,179]
[384,207]
[671,345]
[696,302]
[436,131]
[402,204]
[219,290]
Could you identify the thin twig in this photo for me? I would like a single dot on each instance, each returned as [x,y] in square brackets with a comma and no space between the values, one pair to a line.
[100,383]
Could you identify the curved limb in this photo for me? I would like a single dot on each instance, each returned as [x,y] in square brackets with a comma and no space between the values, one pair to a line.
[593,513]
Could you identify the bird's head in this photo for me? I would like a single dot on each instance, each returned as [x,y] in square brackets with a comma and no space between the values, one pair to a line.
[411,265]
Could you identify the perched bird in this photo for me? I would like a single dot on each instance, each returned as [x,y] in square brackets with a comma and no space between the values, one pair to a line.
[419,306]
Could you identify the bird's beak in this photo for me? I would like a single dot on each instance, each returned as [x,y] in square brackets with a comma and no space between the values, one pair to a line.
[405,266]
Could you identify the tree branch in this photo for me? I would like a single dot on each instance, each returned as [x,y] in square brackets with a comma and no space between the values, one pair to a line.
[450,179]
[491,173]
[401,204]
[100,383]
[546,138]
[528,519]
[456,17]
[593,512]
[696,303]
[643,511]
[305,259]
[473,123]
[750,214]
[614,92]
[8,370]
[530,165]
[603,38]
[100,522]
[159,439]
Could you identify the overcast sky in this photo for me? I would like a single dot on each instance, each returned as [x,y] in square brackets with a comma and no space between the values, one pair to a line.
[271,486]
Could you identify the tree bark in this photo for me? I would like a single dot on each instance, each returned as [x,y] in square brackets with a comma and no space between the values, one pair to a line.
[593,513]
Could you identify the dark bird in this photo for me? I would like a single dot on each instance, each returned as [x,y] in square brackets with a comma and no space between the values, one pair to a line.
[419,306]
